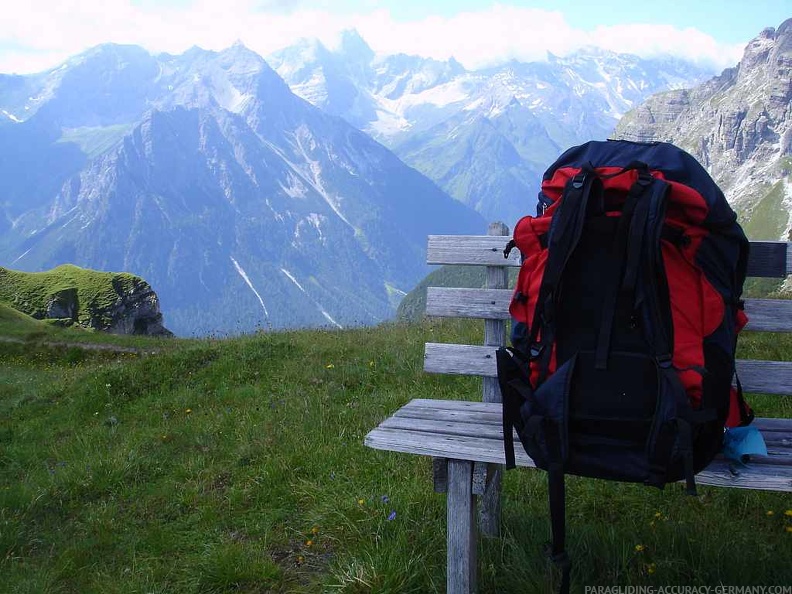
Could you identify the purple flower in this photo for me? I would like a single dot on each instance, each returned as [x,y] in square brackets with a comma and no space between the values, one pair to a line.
[385,499]
[392,516]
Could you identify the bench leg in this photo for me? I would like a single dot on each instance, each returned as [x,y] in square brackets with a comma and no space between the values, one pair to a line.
[461,522]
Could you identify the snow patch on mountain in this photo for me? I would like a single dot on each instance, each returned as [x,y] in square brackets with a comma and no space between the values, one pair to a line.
[326,315]
[245,278]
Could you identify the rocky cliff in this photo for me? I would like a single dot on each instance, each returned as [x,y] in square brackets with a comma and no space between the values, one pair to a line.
[118,303]
[739,125]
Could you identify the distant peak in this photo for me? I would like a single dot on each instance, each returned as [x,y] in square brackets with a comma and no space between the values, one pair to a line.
[238,48]
[353,45]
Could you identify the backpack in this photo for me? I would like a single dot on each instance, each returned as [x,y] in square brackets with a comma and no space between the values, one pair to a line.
[625,317]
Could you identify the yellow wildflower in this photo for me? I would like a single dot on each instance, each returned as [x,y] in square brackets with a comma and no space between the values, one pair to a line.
[788,513]
[658,515]
[770,512]
[308,543]
[315,530]
[639,548]
[188,411]
[651,568]
[361,501]
[329,366]
[789,529]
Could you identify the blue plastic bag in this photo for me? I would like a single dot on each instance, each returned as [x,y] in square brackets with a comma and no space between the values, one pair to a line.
[740,442]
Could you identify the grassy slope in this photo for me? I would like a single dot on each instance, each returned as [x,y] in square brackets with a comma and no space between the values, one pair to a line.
[30,291]
[238,466]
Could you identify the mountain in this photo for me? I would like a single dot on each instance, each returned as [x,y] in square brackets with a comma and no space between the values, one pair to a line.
[739,125]
[484,136]
[242,203]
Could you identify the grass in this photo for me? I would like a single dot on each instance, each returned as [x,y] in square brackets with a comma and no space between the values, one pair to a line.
[238,466]
[93,293]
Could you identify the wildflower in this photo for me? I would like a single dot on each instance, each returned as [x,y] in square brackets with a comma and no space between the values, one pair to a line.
[658,515]
[308,543]
[315,530]
[788,529]
[788,513]
[392,516]
[770,512]
[329,366]
[385,499]
[371,363]
[361,501]
[639,548]
[188,411]
[651,568]
[300,560]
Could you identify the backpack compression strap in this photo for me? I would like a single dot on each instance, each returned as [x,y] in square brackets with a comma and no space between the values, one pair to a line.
[646,274]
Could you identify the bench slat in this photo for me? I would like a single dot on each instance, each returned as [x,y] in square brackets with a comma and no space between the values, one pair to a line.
[480,410]
[768,377]
[771,259]
[765,315]
[479,439]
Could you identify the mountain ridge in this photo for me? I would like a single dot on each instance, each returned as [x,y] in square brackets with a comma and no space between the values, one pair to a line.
[223,189]
[739,126]
[433,113]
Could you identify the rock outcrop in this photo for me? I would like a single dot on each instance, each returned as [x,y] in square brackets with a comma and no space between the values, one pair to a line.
[118,303]
[739,126]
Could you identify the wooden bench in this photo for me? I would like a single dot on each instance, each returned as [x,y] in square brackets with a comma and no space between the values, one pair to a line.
[465,438]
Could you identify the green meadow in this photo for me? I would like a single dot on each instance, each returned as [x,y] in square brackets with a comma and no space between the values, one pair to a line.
[238,465]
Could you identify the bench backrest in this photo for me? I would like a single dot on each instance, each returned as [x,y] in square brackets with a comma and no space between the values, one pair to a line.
[768,259]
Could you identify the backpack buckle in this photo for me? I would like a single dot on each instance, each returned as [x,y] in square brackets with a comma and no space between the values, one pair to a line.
[664,361]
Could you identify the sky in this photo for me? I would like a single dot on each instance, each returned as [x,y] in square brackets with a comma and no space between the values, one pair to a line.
[39,34]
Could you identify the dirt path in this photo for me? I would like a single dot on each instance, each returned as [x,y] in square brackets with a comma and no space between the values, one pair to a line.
[89,346]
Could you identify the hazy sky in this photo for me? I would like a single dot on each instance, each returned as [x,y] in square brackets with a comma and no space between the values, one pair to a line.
[39,34]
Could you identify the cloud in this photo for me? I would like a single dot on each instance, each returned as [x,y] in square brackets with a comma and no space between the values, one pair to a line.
[37,32]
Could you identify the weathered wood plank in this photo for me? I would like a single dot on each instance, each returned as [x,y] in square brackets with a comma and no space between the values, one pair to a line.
[769,377]
[769,315]
[462,564]
[483,408]
[756,475]
[766,258]
[449,418]
[490,431]
[764,315]
[482,442]
[485,476]
[474,250]
[449,415]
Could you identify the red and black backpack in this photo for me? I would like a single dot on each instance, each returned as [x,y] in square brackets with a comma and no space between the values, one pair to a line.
[625,318]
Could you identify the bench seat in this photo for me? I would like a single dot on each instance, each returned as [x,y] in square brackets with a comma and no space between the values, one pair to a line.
[473,431]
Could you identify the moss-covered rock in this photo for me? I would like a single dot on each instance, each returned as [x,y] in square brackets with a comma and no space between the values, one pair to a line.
[119,303]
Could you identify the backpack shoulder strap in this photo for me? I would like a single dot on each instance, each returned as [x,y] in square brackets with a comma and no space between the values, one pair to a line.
[564,235]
